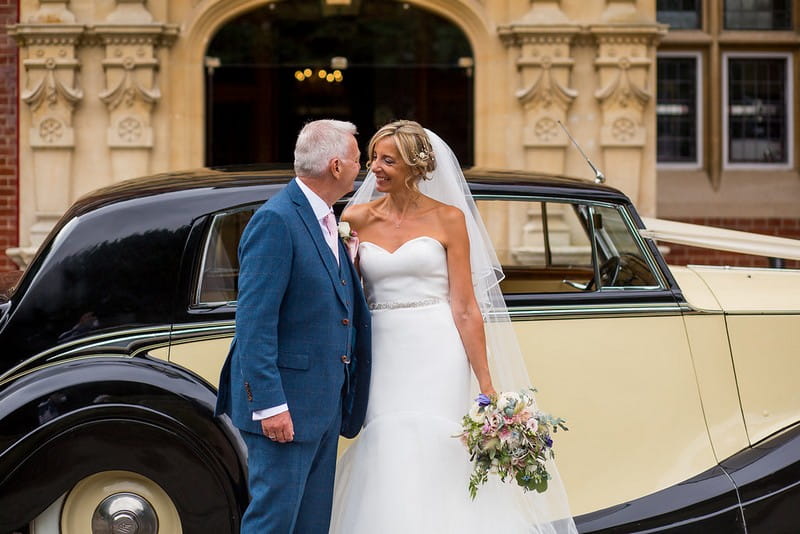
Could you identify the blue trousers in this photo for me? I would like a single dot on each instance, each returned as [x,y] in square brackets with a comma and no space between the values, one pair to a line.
[291,484]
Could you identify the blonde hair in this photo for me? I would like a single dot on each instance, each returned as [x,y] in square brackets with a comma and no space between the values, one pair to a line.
[414,146]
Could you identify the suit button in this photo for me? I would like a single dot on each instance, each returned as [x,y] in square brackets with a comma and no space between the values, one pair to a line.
[345,358]
[344,282]
[345,322]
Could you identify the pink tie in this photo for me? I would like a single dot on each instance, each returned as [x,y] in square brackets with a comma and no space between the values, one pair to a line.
[330,223]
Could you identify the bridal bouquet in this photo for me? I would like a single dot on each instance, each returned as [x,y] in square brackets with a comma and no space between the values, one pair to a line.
[507,435]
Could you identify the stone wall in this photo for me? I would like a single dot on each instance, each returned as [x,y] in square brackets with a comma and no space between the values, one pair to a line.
[9,189]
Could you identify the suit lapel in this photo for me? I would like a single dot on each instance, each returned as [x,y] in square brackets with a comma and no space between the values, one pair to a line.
[315,231]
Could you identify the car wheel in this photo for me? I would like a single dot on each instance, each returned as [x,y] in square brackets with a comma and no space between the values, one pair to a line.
[108,503]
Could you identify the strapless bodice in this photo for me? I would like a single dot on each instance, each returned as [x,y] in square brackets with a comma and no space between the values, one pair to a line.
[415,274]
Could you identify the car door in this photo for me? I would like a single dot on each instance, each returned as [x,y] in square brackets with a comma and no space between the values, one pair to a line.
[605,344]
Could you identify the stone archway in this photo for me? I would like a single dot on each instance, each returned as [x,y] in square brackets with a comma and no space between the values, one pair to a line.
[281,65]
[187,71]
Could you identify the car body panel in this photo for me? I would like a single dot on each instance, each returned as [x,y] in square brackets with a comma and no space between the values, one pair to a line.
[647,388]
[752,290]
[203,357]
[716,379]
[766,355]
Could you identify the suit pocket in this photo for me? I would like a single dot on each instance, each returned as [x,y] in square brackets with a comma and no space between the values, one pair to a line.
[290,360]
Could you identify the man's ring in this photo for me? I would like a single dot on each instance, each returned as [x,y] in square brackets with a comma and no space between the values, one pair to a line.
[271,437]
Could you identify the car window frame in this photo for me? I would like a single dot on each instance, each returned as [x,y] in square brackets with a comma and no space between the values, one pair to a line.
[627,218]
[636,296]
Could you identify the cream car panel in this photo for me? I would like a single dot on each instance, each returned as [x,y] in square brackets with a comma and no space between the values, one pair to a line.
[204,358]
[752,290]
[694,289]
[717,381]
[766,356]
[627,386]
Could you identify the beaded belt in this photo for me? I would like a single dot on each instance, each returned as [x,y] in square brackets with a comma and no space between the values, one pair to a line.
[411,304]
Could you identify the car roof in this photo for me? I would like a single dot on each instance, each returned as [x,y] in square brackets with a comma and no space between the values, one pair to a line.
[482,180]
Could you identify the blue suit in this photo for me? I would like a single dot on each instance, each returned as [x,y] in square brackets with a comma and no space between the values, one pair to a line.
[302,338]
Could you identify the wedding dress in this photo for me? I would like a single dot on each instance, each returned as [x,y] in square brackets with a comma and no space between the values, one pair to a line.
[406,473]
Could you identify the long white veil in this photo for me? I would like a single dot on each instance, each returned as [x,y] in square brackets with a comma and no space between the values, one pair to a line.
[509,373]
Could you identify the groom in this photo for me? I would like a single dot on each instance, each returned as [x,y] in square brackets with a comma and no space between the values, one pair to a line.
[297,374]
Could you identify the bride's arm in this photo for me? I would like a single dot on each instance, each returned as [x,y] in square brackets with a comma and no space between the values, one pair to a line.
[465,309]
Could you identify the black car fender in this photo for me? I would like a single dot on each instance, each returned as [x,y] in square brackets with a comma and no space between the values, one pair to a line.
[65,421]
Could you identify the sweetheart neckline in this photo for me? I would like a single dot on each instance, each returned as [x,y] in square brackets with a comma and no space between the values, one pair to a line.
[404,243]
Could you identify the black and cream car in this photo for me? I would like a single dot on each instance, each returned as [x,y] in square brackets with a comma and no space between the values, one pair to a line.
[679,384]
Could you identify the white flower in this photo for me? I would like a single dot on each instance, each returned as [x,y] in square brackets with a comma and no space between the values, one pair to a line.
[344,230]
[476,414]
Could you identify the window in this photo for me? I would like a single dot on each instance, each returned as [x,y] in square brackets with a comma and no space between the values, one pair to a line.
[219,270]
[758,15]
[544,247]
[622,263]
[757,109]
[678,110]
[679,14]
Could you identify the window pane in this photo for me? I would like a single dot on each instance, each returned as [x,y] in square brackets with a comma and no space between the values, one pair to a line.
[220,268]
[757,121]
[676,109]
[679,14]
[539,244]
[622,263]
[758,15]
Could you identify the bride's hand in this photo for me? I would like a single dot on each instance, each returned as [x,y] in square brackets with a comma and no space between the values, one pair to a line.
[489,391]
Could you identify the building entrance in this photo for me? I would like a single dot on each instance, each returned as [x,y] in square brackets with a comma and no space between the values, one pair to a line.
[270,71]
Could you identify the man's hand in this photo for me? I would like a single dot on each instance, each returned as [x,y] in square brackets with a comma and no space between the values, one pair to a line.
[278,427]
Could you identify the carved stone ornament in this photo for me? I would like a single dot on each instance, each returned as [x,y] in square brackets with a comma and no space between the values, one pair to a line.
[544,64]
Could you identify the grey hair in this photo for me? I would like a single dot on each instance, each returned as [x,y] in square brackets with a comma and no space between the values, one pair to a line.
[318,143]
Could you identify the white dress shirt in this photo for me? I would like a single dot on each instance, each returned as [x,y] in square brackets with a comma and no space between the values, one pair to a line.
[320,209]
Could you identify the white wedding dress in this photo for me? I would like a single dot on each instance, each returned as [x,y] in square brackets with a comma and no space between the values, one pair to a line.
[406,473]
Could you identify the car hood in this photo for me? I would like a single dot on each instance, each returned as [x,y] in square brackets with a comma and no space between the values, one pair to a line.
[737,290]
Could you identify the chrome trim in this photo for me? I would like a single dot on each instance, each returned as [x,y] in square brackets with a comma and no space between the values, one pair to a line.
[599,310]
[120,338]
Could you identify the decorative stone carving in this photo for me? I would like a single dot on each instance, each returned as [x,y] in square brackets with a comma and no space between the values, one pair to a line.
[48,42]
[625,71]
[623,99]
[542,40]
[131,39]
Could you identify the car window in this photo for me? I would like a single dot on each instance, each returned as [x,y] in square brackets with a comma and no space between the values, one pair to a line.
[545,246]
[621,260]
[219,270]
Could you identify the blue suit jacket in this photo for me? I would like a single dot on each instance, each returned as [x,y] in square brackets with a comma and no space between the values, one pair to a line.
[300,317]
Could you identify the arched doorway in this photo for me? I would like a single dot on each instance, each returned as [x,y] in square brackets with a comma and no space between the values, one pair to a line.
[276,67]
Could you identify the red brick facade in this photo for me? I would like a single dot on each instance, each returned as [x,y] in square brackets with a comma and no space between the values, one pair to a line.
[9,176]
[682,255]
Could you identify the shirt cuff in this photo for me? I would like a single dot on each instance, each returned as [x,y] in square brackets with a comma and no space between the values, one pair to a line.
[258,415]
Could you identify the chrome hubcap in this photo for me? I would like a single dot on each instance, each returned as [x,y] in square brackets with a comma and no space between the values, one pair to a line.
[124,513]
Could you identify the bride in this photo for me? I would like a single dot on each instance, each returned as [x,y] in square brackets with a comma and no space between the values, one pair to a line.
[431,280]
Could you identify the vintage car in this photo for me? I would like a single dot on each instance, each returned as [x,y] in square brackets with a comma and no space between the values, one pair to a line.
[679,384]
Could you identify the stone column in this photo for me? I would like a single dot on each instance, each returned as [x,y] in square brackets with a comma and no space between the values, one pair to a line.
[131,38]
[625,59]
[47,43]
[541,41]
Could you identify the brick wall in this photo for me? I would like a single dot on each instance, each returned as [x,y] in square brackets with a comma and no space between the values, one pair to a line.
[9,189]
[683,255]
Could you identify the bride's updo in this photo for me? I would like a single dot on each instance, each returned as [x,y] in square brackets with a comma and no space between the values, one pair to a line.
[414,147]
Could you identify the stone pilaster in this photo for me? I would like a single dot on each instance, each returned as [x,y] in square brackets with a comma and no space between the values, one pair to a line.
[541,41]
[48,42]
[131,38]
[625,69]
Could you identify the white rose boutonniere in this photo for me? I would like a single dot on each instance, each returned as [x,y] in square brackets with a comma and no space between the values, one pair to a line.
[350,238]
